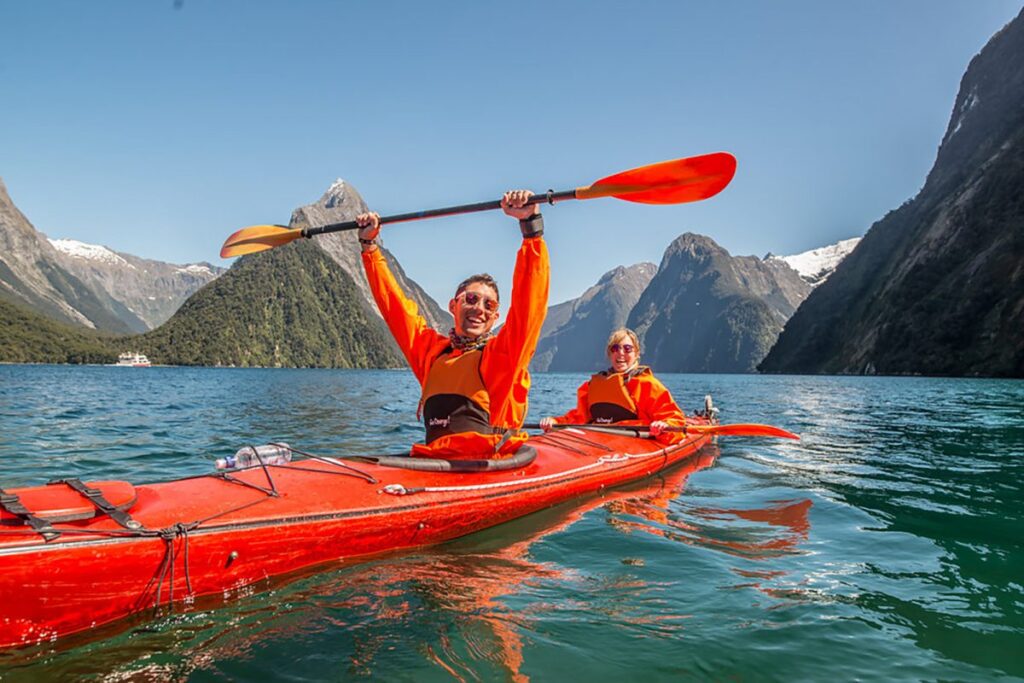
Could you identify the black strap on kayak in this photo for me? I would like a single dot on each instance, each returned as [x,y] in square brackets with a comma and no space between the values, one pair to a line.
[12,504]
[555,435]
[348,470]
[228,477]
[552,437]
[523,457]
[95,496]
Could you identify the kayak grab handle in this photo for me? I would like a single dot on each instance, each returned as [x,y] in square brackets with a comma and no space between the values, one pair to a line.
[523,457]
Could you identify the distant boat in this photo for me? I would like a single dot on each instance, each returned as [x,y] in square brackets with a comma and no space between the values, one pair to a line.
[132,360]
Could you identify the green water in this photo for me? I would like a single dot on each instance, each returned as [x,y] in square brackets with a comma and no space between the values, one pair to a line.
[886,545]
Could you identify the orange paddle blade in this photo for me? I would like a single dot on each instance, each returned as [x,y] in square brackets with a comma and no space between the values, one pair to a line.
[668,182]
[258,238]
[739,430]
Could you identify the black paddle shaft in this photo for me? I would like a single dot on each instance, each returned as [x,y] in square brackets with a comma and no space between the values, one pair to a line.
[548,197]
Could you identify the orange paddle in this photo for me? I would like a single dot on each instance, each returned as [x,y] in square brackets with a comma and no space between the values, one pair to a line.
[668,182]
[714,430]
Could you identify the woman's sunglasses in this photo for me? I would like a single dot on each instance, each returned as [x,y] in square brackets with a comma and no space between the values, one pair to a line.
[624,348]
[472,299]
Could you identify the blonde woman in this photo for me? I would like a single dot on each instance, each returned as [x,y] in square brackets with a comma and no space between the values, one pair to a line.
[626,392]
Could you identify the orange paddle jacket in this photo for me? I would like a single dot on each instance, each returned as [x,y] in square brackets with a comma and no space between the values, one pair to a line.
[503,365]
[640,393]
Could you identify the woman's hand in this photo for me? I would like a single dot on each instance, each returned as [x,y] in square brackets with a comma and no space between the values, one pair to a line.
[658,426]
[547,423]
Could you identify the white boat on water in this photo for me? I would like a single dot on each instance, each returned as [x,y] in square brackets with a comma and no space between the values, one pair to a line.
[132,360]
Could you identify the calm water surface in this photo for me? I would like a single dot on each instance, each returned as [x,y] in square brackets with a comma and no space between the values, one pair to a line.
[886,545]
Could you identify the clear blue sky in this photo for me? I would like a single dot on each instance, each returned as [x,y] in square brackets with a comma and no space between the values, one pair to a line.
[159,127]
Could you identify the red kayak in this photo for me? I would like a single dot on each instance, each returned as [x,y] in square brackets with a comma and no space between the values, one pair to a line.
[75,556]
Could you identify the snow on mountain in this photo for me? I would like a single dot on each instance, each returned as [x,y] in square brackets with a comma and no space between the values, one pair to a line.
[816,265]
[90,252]
[969,102]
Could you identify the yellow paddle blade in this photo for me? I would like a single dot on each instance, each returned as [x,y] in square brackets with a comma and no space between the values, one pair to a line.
[667,182]
[258,238]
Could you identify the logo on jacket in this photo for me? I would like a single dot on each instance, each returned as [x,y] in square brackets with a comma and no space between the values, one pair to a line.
[439,422]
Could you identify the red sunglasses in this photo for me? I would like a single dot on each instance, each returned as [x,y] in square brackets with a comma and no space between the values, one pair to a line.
[472,299]
[625,348]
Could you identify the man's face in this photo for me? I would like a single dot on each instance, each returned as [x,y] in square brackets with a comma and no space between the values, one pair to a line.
[475,310]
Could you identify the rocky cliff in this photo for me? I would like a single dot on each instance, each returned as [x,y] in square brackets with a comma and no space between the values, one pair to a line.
[936,286]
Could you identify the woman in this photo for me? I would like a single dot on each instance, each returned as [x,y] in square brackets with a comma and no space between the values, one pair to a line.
[626,392]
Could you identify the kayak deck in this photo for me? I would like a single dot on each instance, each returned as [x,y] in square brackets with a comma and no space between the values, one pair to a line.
[221,535]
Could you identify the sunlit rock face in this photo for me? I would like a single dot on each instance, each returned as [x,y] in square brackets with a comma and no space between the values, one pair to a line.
[152,290]
[31,275]
[574,332]
[88,284]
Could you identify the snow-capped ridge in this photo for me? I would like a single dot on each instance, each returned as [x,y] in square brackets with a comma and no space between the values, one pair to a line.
[196,269]
[816,265]
[336,194]
[89,252]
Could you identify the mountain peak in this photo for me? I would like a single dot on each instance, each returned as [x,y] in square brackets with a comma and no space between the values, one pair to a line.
[342,202]
[692,241]
[644,269]
[336,195]
[694,246]
[708,311]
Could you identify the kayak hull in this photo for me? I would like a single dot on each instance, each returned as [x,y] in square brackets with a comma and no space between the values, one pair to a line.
[212,536]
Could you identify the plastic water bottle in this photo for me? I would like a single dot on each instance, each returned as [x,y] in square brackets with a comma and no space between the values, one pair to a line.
[271,454]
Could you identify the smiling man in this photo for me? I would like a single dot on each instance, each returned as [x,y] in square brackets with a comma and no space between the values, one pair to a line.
[474,382]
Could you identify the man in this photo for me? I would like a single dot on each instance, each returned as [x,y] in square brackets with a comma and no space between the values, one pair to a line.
[474,383]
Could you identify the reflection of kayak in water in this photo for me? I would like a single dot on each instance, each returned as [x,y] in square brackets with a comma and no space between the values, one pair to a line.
[469,587]
[776,529]
[74,556]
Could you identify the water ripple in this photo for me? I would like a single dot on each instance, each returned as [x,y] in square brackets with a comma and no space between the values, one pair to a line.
[892,528]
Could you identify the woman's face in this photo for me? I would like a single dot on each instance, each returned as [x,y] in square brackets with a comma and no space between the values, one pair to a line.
[622,354]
